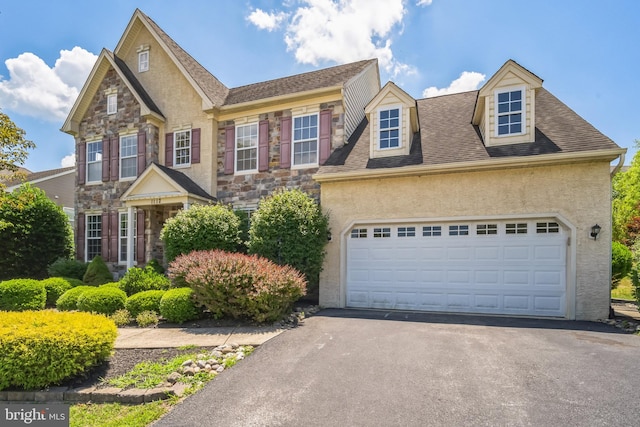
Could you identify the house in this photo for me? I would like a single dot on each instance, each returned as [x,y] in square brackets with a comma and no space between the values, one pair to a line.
[478,202]
[493,201]
[155,132]
[58,185]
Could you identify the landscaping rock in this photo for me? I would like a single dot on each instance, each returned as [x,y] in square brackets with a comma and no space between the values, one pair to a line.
[174,377]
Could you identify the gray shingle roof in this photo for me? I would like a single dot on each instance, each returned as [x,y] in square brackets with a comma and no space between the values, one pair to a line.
[136,84]
[33,176]
[185,182]
[327,77]
[447,135]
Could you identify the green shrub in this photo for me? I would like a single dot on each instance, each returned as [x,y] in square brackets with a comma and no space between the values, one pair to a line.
[70,268]
[621,263]
[97,273]
[110,285]
[157,267]
[69,300]
[121,317]
[43,348]
[34,232]
[55,287]
[177,305]
[237,285]
[201,227]
[144,301]
[22,294]
[245,223]
[289,228]
[74,282]
[103,300]
[143,279]
[147,318]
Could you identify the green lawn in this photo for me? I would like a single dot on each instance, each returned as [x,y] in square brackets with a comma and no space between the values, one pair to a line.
[116,414]
[624,290]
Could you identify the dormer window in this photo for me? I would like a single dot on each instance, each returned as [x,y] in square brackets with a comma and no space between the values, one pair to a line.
[143,61]
[389,125]
[510,112]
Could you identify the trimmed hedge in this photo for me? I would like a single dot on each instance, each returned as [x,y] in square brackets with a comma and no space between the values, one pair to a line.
[103,300]
[43,348]
[55,287]
[621,263]
[237,285]
[177,305]
[144,301]
[22,294]
[97,273]
[143,279]
[69,300]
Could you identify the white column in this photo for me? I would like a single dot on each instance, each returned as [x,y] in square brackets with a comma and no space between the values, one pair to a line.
[186,206]
[130,234]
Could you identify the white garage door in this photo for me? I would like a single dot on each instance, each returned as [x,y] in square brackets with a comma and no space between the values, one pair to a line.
[501,267]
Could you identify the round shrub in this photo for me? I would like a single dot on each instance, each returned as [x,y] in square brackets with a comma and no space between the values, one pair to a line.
[177,305]
[621,263]
[43,348]
[69,300]
[97,273]
[201,227]
[70,268]
[157,267]
[143,279]
[121,317]
[237,285]
[289,228]
[103,300]
[74,282]
[55,287]
[22,294]
[147,318]
[110,285]
[144,301]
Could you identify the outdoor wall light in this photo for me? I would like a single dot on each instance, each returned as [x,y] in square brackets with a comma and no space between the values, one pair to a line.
[595,230]
[329,236]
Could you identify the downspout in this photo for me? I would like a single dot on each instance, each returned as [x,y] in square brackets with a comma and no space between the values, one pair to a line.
[613,173]
[618,166]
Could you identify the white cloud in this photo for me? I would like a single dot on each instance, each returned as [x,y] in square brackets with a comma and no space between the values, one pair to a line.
[344,31]
[468,80]
[69,160]
[424,2]
[37,90]
[266,21]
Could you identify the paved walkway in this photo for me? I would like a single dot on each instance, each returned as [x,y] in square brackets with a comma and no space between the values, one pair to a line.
[626,309]
[202,337]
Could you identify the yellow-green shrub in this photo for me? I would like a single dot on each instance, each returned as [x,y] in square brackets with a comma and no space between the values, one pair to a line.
[177,305]
[144,301]
[42,348]
[22,294]
[69,300]
[104,300]
[55,287]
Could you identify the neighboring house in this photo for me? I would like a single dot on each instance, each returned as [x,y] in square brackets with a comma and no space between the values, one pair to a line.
[58,184]
[155,132]
[479,202]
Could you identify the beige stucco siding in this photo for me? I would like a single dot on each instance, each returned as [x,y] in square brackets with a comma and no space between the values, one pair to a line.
[180,104]
[578,194]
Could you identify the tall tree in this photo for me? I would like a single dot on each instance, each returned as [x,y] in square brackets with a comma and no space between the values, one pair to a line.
[626,199]
[13,146]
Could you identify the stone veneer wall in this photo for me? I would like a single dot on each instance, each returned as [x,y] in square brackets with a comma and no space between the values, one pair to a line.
[246,190]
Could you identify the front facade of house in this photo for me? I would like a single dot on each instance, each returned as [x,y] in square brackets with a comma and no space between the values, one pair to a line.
[480,202]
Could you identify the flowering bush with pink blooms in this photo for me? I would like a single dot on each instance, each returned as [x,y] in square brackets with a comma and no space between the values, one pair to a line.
[237,285]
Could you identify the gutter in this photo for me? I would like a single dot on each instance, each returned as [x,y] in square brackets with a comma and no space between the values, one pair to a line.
[517,162]
[619,165]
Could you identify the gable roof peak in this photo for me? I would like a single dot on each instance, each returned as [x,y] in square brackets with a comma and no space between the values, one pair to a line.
[511,66]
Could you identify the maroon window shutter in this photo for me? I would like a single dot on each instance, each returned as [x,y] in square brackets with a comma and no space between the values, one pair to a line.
[168,149]
[104,237]
[325,136]
[195,145]
[263,146]
[81,162]
[229,149]
[142,150]
[105,159]
[114,145]
[285,142]
[140,255]
[80,237]
[114,233]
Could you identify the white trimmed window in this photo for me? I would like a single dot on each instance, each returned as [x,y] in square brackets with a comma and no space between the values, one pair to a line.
[143,61]
[458,230]
[128,156]
[389,125]
[519,228]
[305,140]
[247,148]
[486,229]
[124,236]
[406,232]
[382,232]
[547,227]
[432,231]
[182,148]
[510,112]
[94,161]
[112,103]
[359,233]
[94,236]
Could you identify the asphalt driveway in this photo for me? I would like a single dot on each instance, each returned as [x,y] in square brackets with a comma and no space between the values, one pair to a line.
[376,368]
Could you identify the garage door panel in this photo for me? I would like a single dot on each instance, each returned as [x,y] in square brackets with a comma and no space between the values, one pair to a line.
[522,273]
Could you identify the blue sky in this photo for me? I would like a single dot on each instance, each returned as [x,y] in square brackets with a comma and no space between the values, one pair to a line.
[586,51]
